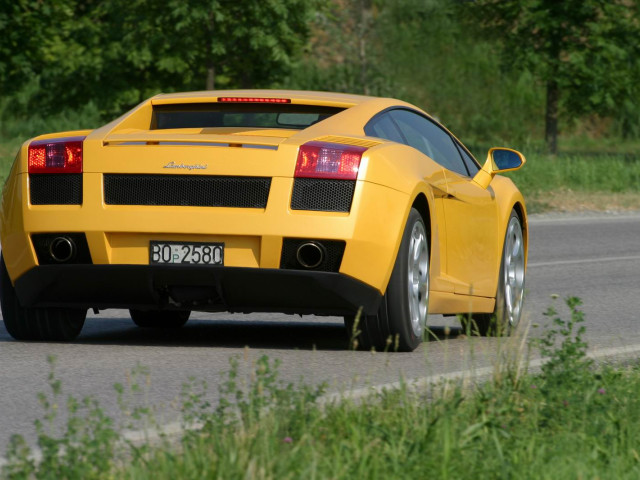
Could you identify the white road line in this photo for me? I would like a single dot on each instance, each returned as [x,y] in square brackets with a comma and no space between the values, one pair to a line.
[595,217]
[177,428]
[359,393]
[583,260]
[473,374]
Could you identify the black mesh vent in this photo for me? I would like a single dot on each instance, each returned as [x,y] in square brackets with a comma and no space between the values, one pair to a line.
[333,251]
[42,245]
[322,195]
[55,189]
[186,190]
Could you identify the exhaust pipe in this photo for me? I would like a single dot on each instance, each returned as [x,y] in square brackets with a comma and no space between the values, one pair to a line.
[310,254]
[62,249]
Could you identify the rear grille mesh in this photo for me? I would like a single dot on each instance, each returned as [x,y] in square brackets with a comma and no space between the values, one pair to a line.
[55,189]
[322,195]
[186,190]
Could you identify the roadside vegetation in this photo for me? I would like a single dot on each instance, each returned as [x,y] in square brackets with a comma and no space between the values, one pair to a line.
[572,419]
[579,183]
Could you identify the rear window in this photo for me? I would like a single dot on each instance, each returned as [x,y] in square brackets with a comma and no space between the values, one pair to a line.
[211,115]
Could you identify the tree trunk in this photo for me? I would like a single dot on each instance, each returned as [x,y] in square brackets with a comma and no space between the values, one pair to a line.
[551,127]
[211,77]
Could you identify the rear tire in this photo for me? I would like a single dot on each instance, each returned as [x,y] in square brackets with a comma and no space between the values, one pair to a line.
[400,321]
[37,324]
[510,293]
[159,318]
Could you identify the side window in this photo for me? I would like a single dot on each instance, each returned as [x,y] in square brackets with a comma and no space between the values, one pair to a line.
[471,164]
[430,139]
[383,127]
[410,126]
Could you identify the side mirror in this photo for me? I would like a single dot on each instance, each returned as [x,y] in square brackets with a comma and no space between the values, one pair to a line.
[499,160]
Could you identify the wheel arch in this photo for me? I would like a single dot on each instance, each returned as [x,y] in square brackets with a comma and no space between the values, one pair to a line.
[421,204]
[424,201]
[421,198]
[522,216]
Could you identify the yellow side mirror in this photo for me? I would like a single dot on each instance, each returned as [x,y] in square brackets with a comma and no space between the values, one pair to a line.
[499,160]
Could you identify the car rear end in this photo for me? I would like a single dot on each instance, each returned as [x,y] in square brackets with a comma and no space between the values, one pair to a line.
[232,203]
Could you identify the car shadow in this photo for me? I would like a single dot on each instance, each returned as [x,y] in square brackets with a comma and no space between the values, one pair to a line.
[269,335]
[322,333]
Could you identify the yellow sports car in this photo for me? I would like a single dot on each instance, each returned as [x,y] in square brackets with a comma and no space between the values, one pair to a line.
[263,200]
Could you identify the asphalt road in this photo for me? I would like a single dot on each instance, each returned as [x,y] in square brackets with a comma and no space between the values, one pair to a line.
[594,257]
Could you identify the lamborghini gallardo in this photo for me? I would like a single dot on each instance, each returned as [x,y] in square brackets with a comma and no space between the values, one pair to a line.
[263,200]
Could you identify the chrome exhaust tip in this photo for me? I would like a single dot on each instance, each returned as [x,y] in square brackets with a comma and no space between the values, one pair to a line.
[310,254]
[62,249]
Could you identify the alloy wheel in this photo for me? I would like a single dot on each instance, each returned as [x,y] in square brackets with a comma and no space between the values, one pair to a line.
[418,280]
[513,272]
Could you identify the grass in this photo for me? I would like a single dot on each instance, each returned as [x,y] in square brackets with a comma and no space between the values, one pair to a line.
[571,183]
[571,420]
[587,174]
[8,151]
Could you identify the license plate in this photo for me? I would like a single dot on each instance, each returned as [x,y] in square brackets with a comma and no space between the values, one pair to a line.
[186,253]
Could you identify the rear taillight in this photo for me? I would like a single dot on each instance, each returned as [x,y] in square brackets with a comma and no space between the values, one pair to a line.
[57,155]
[328,160]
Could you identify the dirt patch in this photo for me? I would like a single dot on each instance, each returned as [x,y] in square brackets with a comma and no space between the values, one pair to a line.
[571,201]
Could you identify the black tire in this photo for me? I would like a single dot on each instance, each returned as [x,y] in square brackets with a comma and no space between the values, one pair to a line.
[391,328]
[160,318]
[501,321]
[37,324]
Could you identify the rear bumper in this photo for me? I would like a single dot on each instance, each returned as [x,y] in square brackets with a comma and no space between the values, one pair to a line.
[253,237]
[202,288]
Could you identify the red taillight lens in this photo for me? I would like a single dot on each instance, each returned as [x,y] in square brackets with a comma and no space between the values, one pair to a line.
[328,160]
[253,100]
[58,155]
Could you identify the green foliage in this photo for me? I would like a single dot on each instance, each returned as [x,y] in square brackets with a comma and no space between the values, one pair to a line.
[421,52]
[23,126]
[577,43]
[17,126]
[605,173]
[58,57]
[65,53]
[585,52]
[568,362]
[572,420]
[216,43]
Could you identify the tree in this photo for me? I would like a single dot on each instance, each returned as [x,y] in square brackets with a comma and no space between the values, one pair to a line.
[345,49]
[48,51]
[583,50]
[116,53]
[210,43]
